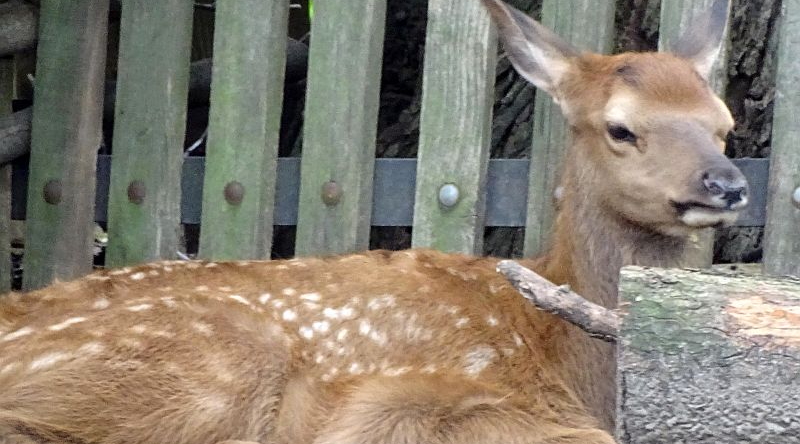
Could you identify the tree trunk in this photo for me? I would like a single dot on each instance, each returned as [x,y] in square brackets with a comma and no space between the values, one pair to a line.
[708,357]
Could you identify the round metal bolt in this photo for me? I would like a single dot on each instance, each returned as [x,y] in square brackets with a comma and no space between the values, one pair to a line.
[331,193]
[796,197]
[136,192]
[234,193]
[448,195]
[52,192]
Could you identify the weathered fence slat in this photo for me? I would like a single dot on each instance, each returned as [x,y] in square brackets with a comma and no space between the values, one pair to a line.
[707,357]
[150,114]
[455,127]
[340,126]
[676,15]
[6,96]
[782,229]
[589,25]
[246,95]
[65,135]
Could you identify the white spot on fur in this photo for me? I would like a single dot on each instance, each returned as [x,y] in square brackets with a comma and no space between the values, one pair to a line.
[312,305]
[478,358]
[97,277]
[289,291]
[201,288]
[139,329]
[508,351]
[518,340]
[169,301]
[355,369]
[91,348]
[319,358]
[211,265]
[240,299]
[381,302]
[24,331]
[289,315]
[491,320]
[242,263]
[153,273]
[430,368]
[462,322]
[379,337]
[364,327]
[321,326]
[225,288]
[306,332]
[101,304]
[396,371]
[48,360]
[313,297]
[137,276]
[140,307]
[282,267]
[10,367]
[203,328]
[264,298]
[120,271]
[277,303]
[66,323]
[341,335]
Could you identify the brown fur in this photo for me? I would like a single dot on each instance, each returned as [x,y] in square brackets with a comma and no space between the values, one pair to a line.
[378,347]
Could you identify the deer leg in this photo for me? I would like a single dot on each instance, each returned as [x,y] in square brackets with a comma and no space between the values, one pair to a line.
[449,411]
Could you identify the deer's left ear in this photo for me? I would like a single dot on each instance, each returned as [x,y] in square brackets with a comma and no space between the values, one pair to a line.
[703,41]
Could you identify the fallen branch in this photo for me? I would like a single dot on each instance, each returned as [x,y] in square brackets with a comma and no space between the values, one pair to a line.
[599,322]
[18,26]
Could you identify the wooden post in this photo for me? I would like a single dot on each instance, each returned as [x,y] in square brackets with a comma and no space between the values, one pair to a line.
[782,230]
[244,121]
[6,96]
[150,119]
[589,25]
[707,358]
[455,127]
[676,16]
[65,136]
[340,125]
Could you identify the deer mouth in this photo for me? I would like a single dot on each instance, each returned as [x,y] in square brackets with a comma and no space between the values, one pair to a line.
[702,215]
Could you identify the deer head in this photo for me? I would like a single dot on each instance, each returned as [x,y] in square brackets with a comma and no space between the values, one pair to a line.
[649,132]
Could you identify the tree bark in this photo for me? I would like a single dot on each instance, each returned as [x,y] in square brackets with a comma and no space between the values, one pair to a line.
[708,357]
[18,26]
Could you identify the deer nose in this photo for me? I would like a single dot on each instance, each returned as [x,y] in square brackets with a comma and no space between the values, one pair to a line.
[727,186]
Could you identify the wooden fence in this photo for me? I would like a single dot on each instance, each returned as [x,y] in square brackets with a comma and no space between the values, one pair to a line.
[337,190]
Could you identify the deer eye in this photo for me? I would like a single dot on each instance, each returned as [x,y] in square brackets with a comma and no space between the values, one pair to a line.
[621,134]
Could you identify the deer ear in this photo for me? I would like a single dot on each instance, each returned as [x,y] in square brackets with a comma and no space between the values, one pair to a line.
[536,52]
[703,41]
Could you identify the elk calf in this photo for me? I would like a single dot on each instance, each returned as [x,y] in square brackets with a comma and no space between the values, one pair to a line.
[393,347]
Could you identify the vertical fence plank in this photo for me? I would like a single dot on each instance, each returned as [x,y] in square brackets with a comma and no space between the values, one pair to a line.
[65,136]
[455,127]
[150,115]
[589,25]
[246,94]
[782,229]
[6,96]
[340,126]
[676,16]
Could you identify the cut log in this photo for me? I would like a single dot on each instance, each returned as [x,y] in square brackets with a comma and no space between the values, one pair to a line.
[708,357]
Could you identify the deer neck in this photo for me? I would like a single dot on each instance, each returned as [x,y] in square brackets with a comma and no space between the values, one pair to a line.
[591,243]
